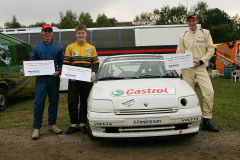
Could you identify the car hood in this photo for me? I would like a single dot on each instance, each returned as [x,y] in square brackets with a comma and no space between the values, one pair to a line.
[139,93]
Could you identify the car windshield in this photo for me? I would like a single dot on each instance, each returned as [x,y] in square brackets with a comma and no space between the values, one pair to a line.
[134,70]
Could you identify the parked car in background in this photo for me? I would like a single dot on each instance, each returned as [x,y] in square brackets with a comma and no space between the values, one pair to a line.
[135,96]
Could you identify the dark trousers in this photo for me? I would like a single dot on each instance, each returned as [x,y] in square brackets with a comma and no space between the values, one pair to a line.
[78,90]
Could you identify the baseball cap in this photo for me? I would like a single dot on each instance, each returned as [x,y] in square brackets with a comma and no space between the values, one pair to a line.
[191,14]
[46,26]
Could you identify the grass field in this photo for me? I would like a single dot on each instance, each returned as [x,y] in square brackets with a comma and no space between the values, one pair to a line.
[226,111]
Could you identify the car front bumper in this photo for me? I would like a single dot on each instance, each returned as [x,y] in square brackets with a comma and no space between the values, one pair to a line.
[109,125]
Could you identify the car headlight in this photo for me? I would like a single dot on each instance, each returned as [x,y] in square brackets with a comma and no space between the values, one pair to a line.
[188,101]
[100,105]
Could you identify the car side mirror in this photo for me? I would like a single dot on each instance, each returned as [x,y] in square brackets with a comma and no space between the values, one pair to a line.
[181,76]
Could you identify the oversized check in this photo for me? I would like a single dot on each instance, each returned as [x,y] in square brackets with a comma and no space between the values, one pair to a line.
[38,67]
[78,73]
[178,61]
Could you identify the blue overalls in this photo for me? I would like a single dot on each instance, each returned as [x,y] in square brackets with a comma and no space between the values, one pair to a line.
[47,84]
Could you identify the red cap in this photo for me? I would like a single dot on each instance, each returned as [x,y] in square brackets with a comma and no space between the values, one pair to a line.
[191,14]
[46,26]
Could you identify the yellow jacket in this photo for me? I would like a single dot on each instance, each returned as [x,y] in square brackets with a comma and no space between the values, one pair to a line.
[82,55]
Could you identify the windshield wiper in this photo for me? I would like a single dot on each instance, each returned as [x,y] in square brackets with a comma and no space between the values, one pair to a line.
[137,77]
[149,76]
[110,78]
[167,76]
[156,76]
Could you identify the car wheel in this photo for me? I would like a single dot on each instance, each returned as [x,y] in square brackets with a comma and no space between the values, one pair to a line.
[3,99]
[89,131]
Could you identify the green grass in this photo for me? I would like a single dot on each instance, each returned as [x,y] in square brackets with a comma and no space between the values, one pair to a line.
[19,113]
[226,110]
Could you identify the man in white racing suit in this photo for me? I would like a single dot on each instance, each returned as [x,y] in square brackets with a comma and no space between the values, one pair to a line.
[199,42]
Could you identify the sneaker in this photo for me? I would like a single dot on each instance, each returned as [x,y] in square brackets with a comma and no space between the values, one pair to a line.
[72,130]
[55,129]
[36,134]
[207,125]
[83,129]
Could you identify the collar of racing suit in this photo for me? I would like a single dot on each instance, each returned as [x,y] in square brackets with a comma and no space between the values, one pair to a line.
[193,32]
[47,43]
[81,44]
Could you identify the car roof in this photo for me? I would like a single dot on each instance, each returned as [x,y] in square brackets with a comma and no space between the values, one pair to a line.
[133,57]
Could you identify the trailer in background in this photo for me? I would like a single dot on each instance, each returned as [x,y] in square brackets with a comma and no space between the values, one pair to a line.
[109,41]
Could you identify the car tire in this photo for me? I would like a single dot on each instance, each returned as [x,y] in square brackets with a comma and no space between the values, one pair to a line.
[3,99]
[89,131]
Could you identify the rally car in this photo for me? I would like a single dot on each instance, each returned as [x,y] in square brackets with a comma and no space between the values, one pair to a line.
[135,96]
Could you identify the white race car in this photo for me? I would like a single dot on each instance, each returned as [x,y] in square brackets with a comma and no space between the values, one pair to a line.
[135,96]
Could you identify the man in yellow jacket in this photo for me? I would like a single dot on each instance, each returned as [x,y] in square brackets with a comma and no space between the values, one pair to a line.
[80,54]
[199,42]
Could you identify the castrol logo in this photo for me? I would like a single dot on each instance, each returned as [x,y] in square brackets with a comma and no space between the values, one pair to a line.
[118,93]
[146,91]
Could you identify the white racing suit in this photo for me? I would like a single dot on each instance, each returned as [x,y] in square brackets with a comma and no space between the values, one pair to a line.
[200,43]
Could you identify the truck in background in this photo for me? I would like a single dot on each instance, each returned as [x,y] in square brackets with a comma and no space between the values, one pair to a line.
[109,41]
[12,54]
[38,29]
[227,54]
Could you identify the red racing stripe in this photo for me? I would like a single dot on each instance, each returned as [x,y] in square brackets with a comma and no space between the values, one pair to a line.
[137,51]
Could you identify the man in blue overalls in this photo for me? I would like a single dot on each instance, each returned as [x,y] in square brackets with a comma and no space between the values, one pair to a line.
[47,84]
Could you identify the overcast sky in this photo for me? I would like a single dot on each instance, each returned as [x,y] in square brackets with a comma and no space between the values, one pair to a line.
[32,11]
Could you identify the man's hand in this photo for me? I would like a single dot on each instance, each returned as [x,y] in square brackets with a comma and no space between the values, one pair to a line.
[55,74]
[196,64]
[21,71]
[92,76]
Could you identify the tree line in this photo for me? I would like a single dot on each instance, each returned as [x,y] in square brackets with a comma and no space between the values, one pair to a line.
[223,27]
[68,20]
